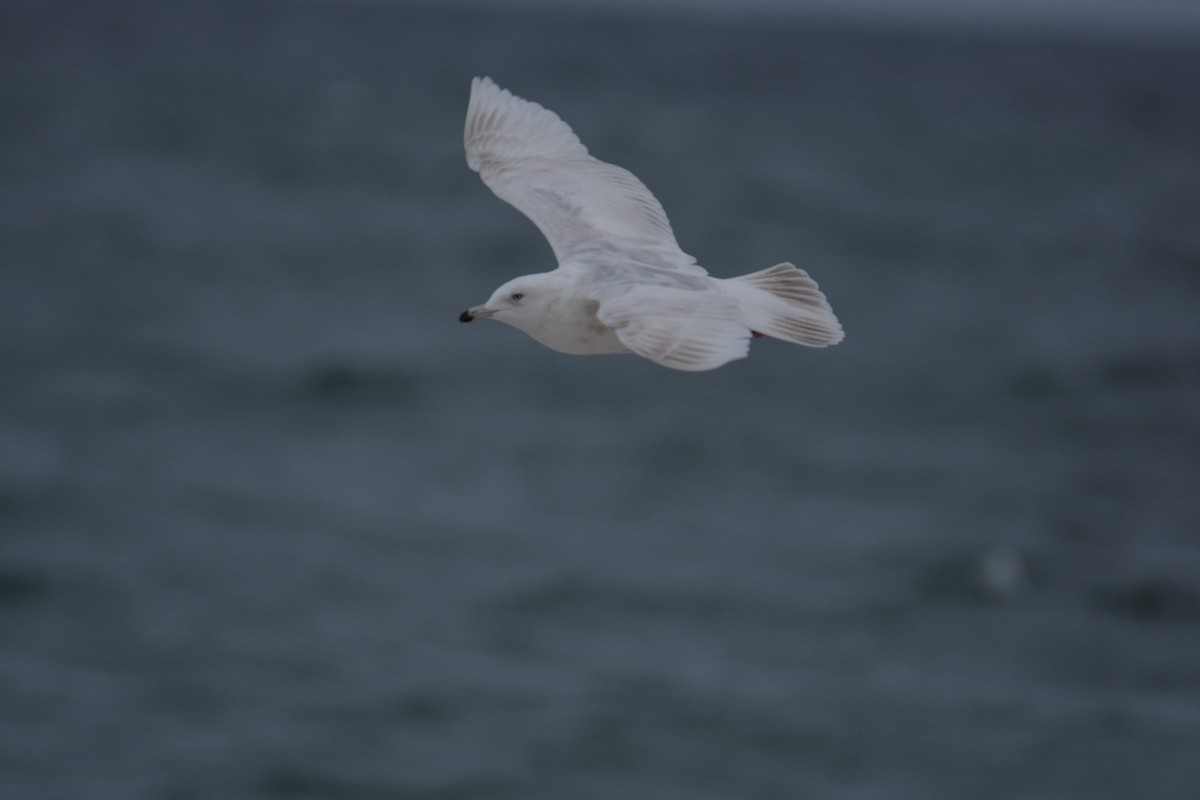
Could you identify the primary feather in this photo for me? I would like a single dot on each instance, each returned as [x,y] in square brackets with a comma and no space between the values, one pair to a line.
[532,159]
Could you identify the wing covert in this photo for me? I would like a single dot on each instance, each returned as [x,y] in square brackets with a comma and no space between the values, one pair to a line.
[678,328]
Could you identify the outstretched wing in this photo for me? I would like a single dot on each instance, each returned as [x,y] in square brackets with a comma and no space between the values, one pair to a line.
[532,159]
[676,327]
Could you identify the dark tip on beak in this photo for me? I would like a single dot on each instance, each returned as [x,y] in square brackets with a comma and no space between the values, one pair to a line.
[465,316]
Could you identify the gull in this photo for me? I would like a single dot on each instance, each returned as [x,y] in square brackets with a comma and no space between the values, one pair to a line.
[622,285]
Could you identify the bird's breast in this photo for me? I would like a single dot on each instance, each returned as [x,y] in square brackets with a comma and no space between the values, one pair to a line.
[571,326]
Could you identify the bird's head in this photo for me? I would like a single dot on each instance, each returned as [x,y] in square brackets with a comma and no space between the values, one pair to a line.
[522,303]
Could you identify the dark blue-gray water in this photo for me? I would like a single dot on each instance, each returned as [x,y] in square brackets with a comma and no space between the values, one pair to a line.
[274,525]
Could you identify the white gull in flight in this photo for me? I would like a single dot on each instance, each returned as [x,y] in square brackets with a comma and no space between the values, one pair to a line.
[622,283]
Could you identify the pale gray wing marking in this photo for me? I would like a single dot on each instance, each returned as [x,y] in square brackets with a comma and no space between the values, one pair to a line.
[533,160]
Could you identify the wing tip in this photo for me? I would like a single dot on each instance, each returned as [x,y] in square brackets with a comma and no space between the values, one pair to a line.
[502,123]
[480,85]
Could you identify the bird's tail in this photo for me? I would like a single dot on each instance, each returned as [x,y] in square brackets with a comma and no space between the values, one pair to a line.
[783,302]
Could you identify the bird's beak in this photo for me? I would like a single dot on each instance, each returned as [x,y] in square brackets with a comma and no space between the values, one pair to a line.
[478,312]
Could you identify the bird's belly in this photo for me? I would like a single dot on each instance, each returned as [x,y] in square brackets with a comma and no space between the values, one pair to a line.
[580,339]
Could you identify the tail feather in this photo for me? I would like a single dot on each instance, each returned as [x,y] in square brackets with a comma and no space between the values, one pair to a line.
[783,302]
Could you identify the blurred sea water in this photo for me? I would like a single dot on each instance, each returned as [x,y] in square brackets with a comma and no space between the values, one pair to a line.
[274,525]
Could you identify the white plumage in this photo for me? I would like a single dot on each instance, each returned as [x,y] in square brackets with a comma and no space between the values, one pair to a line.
[622,282]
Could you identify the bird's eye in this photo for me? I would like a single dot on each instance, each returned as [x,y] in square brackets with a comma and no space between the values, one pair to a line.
[515,296]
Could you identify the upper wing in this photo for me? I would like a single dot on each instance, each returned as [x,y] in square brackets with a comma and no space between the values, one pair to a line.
[677,327]
[530,158]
